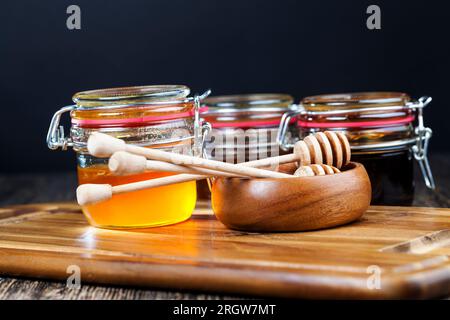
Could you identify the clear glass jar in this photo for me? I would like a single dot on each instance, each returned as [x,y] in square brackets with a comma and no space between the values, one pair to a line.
[244,128]
[386,133]
[161,117]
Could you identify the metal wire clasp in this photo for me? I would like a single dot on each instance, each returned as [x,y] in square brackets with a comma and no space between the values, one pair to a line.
[55,134]
[199,125]
[423,135]
[284,126]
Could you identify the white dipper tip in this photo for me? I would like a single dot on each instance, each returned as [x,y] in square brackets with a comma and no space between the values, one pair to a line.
[92,193]
[102,145]
[122,163]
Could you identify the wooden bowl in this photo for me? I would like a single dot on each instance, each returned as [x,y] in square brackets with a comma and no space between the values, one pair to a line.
[292,204]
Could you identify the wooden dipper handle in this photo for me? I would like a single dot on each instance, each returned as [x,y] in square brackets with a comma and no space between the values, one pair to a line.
[125,163]
[330,148]
[99,144]
[92,193]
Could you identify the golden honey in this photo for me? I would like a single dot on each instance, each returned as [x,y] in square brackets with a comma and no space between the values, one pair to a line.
[145,208]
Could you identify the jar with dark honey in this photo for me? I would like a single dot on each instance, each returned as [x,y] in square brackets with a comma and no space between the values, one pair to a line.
[244,127]
[386,133]
[161,117]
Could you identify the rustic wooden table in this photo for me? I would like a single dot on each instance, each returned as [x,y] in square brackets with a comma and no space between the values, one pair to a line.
[49,187]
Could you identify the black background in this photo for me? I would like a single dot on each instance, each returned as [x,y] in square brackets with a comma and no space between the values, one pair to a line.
[233,46]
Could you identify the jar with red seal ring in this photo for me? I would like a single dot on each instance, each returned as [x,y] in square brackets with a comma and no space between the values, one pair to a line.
[386,132]
[161,117]
[244,127]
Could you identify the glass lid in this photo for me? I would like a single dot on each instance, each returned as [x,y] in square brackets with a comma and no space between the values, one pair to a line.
[130,96]
[357,99]
[248,102]
[246,111]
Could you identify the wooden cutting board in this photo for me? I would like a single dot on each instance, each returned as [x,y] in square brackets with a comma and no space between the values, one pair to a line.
[406,248]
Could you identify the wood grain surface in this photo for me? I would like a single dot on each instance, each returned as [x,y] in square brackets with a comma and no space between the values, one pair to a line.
[201,254]
[30,187]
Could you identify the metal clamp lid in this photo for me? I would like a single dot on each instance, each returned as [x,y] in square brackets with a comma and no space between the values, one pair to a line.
[57,139]
[55,134]
[420,149]
[284,126]
[199,132]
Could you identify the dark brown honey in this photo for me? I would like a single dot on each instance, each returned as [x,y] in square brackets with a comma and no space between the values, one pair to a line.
[391,175]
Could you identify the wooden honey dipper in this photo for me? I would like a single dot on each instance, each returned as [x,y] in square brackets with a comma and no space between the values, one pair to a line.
[321,148]
[332,146]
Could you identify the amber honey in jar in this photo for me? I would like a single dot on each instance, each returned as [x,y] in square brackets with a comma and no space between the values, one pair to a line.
[244,127]
[161,117]
[386,133]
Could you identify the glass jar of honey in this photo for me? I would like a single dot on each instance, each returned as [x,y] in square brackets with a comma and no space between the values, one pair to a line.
[385,130]
[244,127]
[161,117]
